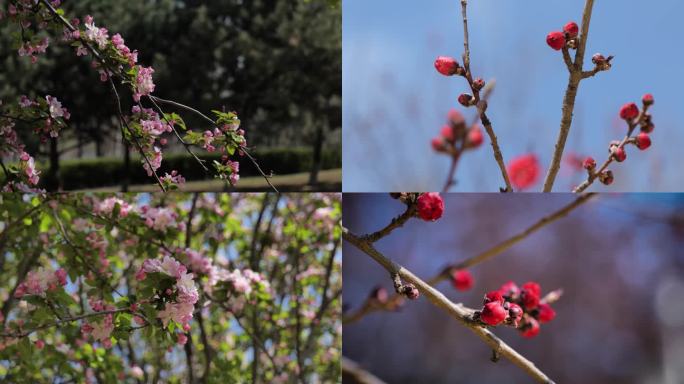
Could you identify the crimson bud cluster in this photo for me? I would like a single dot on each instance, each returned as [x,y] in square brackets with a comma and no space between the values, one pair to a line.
[455,137]
[519,307]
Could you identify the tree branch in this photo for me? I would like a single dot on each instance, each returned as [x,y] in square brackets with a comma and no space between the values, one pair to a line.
[576,76]
[457,311]
[370,307]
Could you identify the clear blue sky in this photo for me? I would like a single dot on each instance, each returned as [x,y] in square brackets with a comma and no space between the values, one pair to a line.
[394,101]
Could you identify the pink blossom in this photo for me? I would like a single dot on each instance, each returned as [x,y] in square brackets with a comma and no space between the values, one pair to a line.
[182,339]
[95,34]
[154,161]
[160,219]
[39,281]
[56,109]
[137,372]
[143,82]
[106,206]
[102,329]
[187,290]
[179,312]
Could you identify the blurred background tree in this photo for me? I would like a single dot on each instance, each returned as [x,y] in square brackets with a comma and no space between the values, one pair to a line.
[276,63]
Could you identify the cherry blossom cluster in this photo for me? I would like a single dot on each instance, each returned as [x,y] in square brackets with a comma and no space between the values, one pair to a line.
[111,57]
[519,307]
[161,219]
[40,281]
[100,329]
[455,137]
[108,205]
[634,118]
[178,299]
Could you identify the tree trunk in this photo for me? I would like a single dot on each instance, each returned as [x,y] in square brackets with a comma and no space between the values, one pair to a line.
[125,175]
[317,156]
[52,182]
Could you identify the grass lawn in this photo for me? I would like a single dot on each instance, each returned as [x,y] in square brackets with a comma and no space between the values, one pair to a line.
[328,180]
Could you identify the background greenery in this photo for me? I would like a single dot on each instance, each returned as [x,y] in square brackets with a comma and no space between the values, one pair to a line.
[276,63]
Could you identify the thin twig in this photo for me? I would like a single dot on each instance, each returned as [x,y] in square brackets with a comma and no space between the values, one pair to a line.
[62,321]
[576,76]
[593,175]
[353,371]
[396,222]
[481,103]
[457,311]
[392,302]
[213,123]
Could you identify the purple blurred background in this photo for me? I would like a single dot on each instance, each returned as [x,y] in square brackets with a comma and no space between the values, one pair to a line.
[618,257]
[395,102]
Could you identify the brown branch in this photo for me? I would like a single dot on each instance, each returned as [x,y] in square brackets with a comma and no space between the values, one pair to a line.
[481,103]
[394,301]
[396,222]
[459,312]
[354,373]
[62,321]
[593,175]
[576,76]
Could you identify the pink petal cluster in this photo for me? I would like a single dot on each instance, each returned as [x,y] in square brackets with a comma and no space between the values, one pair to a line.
[39,281]
[143,82]
[56,109]
[159,219]
[131,56]
[101,330]
[198,262]
[28,164]
[106,206]
[241,280]
[97,35]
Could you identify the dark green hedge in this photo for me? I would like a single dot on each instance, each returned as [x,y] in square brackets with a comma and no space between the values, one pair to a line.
[83,174]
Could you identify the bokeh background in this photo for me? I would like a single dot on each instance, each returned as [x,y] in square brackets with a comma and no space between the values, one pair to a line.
[395,101]
[617,257]
[276,63]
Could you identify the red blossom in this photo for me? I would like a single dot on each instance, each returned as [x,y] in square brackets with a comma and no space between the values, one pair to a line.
[462,280]
[493,313]
[430,206]
[447,66]
[524,171]
[556,40]
[629,111]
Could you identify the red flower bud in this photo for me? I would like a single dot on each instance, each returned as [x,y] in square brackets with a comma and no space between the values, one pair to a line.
[643,141]
[478,83]
[493,313]
[466,99]
[493,296]
[438,144]
[447,66]
[510,290]
[455,117]
[462,280]
[475,137]
[515,313]
[447,133]
[379,294]
[411,292]
[572,29]
[629,111]
[598,59]
[556,40]
[606,177]
[648,99]
[619,154]
[546,313]
[589,163]
[530,295]
[531,328]
[430,206]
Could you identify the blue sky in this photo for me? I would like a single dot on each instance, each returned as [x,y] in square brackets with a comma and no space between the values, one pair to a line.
[394,101]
